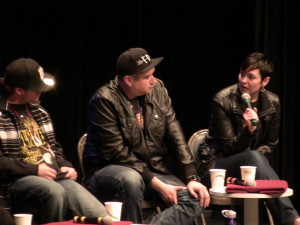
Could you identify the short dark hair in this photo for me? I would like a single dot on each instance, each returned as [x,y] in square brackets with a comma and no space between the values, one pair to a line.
[259,61]
[5,90]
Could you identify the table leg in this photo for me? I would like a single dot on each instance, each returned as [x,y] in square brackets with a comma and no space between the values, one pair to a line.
[251,211]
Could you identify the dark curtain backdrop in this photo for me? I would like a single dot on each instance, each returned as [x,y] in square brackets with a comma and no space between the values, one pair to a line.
[203,43]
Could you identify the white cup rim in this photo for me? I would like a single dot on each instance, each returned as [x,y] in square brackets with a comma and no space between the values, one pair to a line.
[217,170]
[22,214]
[248,167]
[113,203]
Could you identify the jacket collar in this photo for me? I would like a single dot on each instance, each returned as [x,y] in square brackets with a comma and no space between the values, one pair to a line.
[115,85]
[266,105]
[3,104]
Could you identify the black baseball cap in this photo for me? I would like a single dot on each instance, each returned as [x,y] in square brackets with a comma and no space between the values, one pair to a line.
[134,61]
[28,74]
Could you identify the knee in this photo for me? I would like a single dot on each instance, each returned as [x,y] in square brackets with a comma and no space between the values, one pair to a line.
[255,158]
[122,180]
[54,193]
[189,203]
[132,182]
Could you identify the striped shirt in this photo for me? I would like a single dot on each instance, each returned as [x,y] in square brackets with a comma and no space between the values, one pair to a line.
[11,164]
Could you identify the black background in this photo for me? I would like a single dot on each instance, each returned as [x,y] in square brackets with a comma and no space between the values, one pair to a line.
[203,43]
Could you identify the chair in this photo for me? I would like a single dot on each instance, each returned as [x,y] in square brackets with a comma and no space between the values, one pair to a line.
[195,140]
[80,147]
[146,204]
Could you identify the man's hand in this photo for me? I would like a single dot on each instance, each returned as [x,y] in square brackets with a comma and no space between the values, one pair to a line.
[167,192]
[197,189]
[71,172]
[46,172]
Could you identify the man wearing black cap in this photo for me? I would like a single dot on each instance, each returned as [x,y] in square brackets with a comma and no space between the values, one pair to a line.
[135,145]
[32,163]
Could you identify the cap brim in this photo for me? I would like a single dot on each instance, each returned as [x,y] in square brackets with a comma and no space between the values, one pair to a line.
[42,86]
[154,62]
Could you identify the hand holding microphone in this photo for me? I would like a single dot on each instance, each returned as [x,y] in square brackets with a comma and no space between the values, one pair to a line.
[247,101]
[249,183]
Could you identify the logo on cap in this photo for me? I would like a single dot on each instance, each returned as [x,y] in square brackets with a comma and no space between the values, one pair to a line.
[41,72]
[144,59]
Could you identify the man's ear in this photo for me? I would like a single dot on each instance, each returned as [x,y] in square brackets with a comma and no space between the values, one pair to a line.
[128,80]
[19,91]
[265,81]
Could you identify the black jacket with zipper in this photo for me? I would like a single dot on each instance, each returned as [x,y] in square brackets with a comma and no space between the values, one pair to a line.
[115,137]
[227,133]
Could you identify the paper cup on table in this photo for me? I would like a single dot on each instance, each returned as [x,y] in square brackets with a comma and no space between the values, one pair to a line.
[217,178]
[114,210]
[23,219]
[248,172]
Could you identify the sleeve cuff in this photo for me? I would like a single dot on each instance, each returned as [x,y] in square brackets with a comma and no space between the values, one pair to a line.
[147,175]
[189,170]
[247,132]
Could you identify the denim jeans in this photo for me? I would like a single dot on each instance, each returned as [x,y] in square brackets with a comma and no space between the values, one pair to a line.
[51,201]
[281,209]
[120,183]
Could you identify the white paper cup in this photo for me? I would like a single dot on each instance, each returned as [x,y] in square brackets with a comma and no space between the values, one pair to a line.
[248,172]
[217,178]
[114,210]
[23,219]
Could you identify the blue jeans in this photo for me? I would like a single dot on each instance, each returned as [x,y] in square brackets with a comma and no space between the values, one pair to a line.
[51,201]
[120,183]
[281,209]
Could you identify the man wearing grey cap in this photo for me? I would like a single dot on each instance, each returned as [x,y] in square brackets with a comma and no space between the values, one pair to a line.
[32,164]
[135,146]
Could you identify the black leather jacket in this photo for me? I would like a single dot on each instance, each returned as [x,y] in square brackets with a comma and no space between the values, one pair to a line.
[227,134]
[115,137]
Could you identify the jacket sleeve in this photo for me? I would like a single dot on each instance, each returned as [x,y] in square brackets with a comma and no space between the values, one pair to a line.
[55,146]
[11,169]
[59,156]
[272,131]
[177,137]
[228,139]
[107,135]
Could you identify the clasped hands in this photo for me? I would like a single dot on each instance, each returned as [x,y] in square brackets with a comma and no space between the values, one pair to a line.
[50,174]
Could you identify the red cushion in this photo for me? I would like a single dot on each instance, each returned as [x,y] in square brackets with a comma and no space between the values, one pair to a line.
[262,186]
[72,223]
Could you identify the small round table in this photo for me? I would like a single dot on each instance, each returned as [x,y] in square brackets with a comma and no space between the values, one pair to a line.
[251,216]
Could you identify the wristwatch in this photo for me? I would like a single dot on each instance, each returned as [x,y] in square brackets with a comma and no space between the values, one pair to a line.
[193,177]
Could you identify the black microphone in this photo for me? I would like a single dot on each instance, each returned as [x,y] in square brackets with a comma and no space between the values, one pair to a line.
[249,183]
[93,220]
[247,100]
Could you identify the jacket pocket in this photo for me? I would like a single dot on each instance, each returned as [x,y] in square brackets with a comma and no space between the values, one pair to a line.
[127,128]
[157,125]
